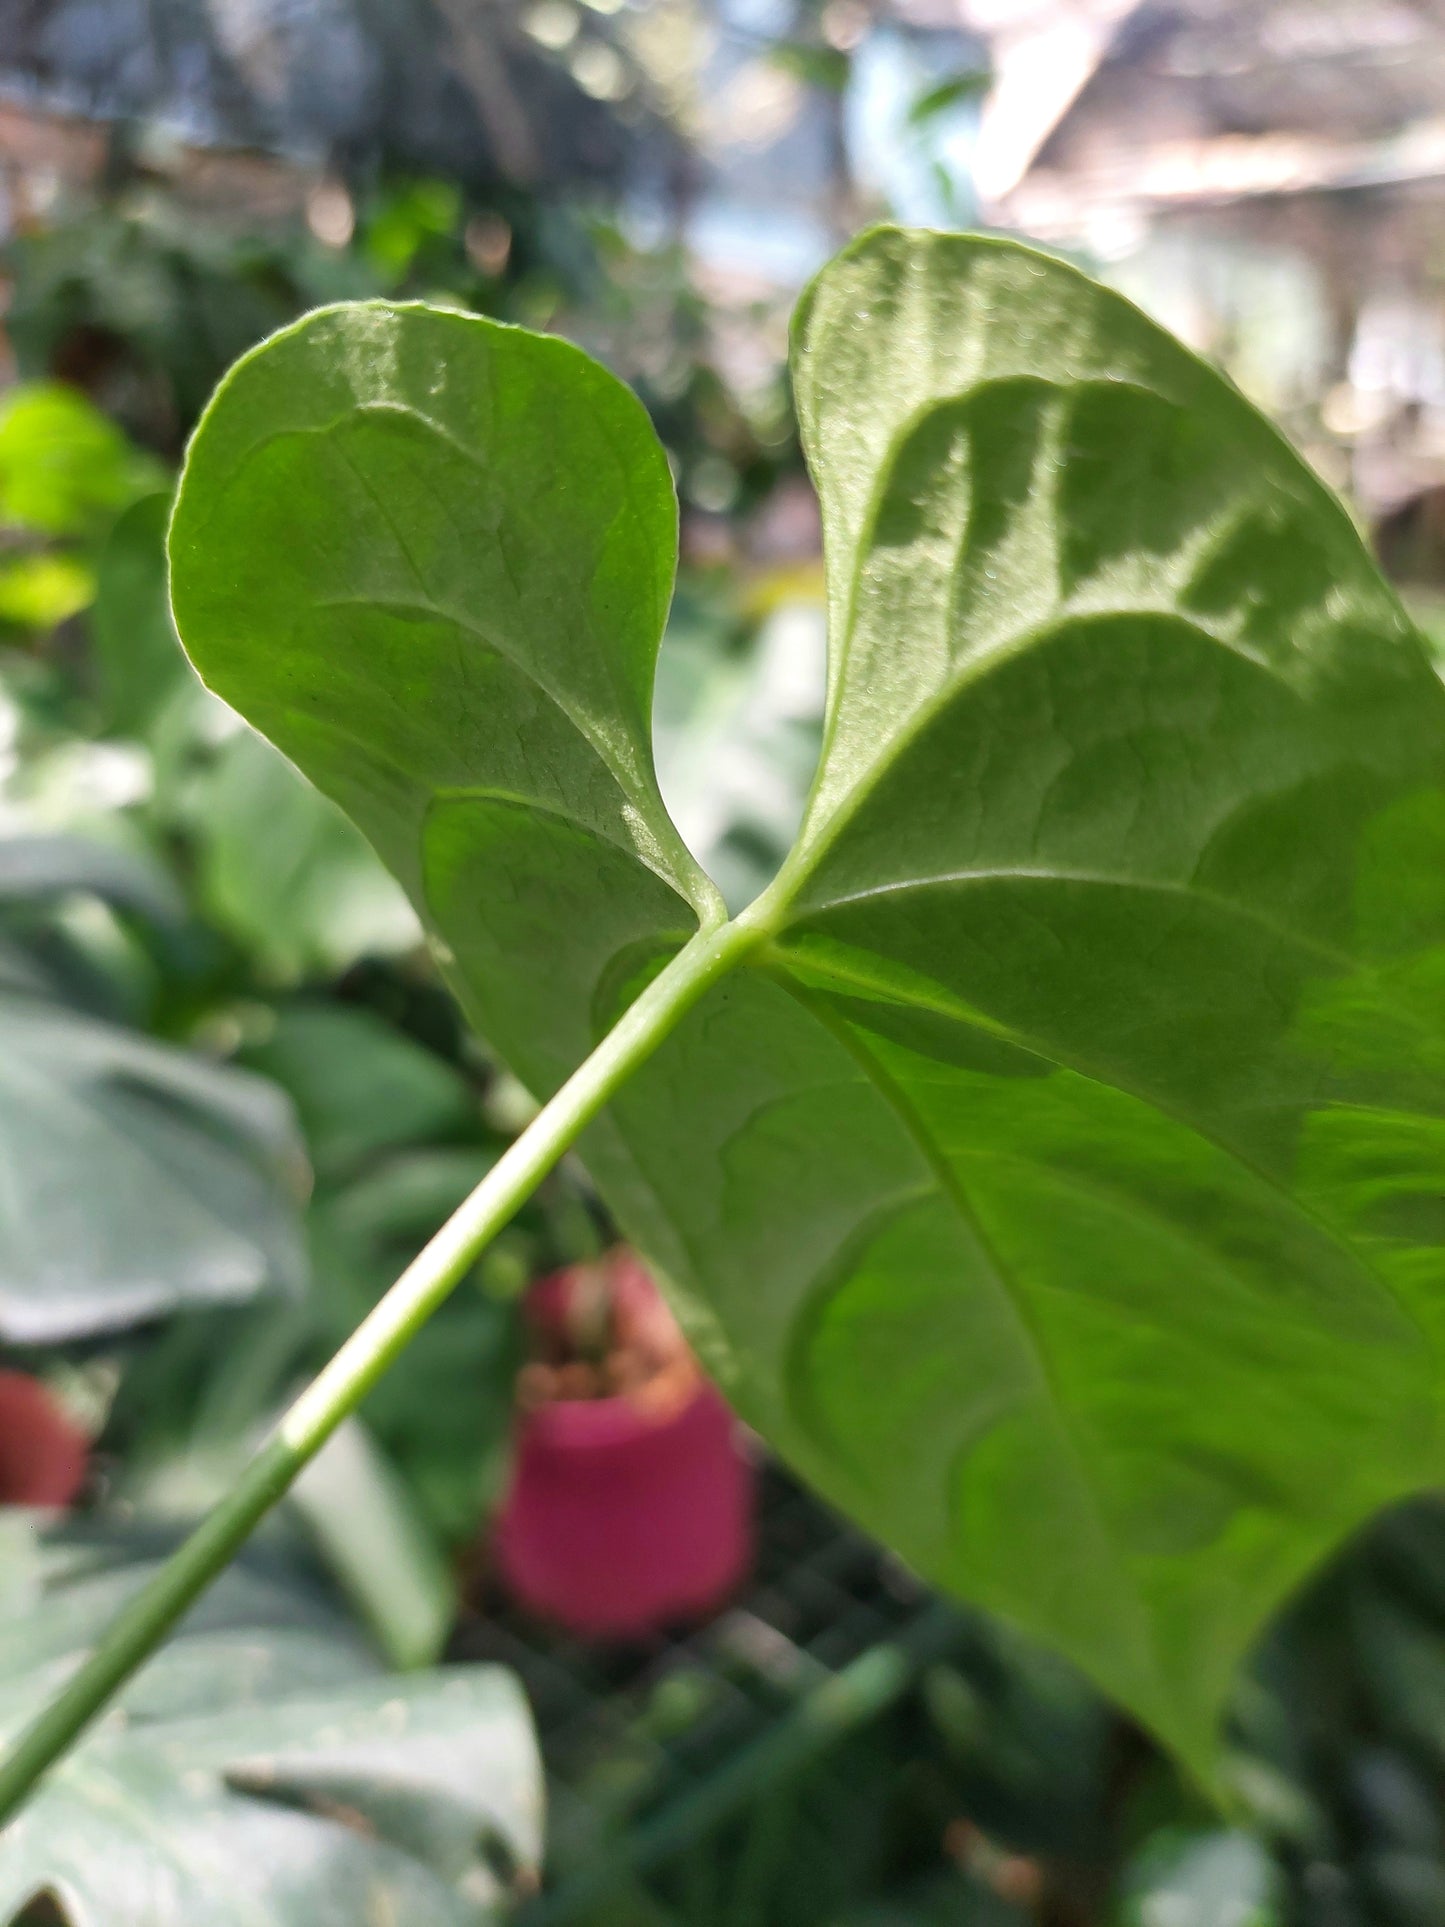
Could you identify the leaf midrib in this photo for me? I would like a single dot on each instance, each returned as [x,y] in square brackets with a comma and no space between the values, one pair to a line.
[951,1190]
[813,844]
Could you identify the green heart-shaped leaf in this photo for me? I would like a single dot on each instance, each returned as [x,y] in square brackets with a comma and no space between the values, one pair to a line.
[1054,1178]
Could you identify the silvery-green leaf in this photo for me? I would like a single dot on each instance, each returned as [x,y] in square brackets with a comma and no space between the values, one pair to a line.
[262,1768]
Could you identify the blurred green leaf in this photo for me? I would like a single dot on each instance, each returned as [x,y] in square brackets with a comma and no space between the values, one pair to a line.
[364,1521]
[947,94]
[406,216]
[39,591]
[261,1769]
[137,1178]
[383,1214]
[86,923]
[138,656]
[359,1085]
[169,298]
[815,64]
[1401,1656]
[65,469]
[1208,1879]
[947,1901]
[1407,1889]
[1203,1880]
[1028,1740]
[282,871]
[40,868]
[445,1413]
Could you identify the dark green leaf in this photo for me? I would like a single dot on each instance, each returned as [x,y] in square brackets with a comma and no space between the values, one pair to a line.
[358,1085]
[1058,1183]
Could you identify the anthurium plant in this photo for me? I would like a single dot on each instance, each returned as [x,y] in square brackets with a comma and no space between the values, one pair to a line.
[1048,1162]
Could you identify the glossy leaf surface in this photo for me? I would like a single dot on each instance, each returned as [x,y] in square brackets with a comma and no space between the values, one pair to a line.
[1056,1180]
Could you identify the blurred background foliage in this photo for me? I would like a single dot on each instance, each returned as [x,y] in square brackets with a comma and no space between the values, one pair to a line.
[235,1097]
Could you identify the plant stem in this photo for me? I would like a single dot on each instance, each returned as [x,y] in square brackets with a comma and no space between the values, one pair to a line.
[371,1348]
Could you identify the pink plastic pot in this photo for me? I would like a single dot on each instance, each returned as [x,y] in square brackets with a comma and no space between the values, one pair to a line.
[618,1524]
[622,1518]
[42,1453]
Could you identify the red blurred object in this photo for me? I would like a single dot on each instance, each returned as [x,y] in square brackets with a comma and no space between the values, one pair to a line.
[42,1452]
[630,1512]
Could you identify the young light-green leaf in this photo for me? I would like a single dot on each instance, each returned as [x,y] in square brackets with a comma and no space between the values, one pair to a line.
[1054,1176]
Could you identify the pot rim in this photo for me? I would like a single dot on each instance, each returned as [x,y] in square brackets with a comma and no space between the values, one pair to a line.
[595,1424]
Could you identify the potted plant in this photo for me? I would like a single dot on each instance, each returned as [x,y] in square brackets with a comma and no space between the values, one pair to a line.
[43,1453]
[630,1502]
